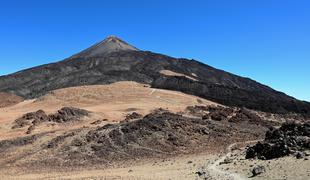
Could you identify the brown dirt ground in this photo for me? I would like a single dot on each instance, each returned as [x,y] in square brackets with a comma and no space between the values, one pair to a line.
[183,167]
[112,102]
[7,99]
[171,73]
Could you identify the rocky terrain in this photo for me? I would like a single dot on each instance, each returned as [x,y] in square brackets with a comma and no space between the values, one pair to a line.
[283,154]
[33,119]
[290,138]
[113,111]
[156,135]
[161,137]
[114,60]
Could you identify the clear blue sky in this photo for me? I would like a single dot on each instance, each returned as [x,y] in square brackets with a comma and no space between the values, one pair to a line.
[266,40]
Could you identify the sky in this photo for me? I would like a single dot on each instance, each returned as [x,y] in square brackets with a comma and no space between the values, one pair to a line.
[265,40]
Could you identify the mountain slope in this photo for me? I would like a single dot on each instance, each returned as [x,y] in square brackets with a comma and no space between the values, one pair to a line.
[114,60]
[9,99]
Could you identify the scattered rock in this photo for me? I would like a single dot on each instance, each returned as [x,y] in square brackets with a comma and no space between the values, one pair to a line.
[201,173]
[67,114]
[220,113]
[30,129]
[245,115]
[299,155]
[98,121]
[288,139]
[217,113]
[59,139]
[34,119]
[226,161]
[197,110]
[234,115]
[132,116]
[258,170]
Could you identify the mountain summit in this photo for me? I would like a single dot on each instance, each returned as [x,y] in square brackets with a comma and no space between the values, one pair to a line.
[110,44]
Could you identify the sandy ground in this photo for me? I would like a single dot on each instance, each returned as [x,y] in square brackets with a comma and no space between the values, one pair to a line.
[184,167]
[112,102]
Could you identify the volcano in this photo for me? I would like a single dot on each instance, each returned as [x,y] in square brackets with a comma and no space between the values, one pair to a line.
[110,44]
[113,60]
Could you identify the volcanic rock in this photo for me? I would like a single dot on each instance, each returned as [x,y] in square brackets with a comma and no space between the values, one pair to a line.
[279,142]
[245,115]
[33,119]
[132,116]
[258,170]
[157,134]
[67,114]
[299,155]
[114,60]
